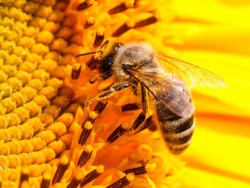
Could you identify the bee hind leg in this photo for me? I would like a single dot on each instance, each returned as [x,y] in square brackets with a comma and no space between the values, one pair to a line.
[141,122]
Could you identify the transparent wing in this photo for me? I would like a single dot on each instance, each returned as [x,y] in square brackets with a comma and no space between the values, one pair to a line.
[168,89]
[170,83]
[191,74]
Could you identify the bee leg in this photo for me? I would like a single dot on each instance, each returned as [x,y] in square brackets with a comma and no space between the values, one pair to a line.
[108,93]
[141,122]
[124,128]
[144,100]
[132,106]
[145,119]
[136,106]
[137,125]
[149,124]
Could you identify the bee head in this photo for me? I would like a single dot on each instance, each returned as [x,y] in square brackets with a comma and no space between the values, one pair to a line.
[108,52]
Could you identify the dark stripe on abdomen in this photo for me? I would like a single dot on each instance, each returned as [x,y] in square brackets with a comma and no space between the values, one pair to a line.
[178,133]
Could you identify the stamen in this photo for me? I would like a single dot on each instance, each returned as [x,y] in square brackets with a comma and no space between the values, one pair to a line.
[150,167]
[92,175]
[93,115]
[46,180]
[87,53]
[99,37]
[91,118]
[25,184]
[122,7]
[152,128]
[87,125]
[84,5]
[94,60]
[124,28]
[148,21]
[24,175]
[139,120]
[119,131]
[150,124]
[85,132]
[137,171]
[76,181]
[76,70]
[62,167]
[90,21]
[86,154]
[141,170]
[123,181]
[130,107]
[137,2]
[100,106]
[93,79]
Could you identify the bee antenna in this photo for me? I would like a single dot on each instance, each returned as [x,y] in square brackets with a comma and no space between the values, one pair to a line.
[87,53]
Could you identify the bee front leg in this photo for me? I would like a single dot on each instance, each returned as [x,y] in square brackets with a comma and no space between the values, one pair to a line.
[100,106]
[108,93]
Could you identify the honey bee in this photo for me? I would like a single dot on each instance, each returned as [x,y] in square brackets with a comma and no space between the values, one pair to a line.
[163,79]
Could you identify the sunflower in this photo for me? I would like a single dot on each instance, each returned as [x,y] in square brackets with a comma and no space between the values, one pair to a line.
[49,139]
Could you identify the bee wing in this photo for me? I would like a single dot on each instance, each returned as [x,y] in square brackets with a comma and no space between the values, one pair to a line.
[168,89]
[193,75]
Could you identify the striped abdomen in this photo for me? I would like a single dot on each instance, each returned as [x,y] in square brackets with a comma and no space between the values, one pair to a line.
[177,131]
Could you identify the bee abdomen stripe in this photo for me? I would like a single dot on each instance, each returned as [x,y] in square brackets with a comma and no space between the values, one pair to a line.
[177,124]
[177,149]
[179,138]
[185,125]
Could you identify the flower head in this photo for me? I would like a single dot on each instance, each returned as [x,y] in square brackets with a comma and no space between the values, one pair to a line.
[49,138]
